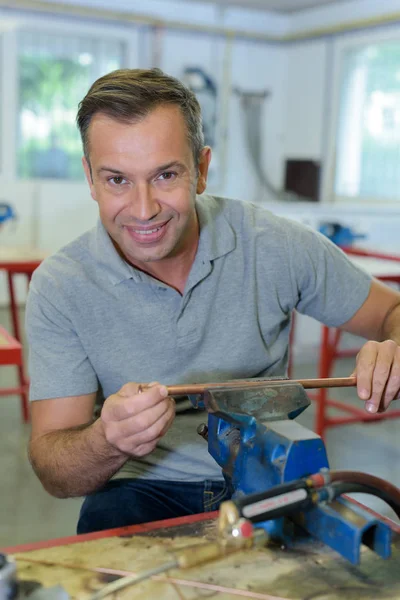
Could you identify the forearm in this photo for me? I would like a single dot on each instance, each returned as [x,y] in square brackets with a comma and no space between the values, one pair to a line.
[391,325]
[74,462]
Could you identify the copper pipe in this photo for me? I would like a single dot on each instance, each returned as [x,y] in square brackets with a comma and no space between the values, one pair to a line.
[186,389]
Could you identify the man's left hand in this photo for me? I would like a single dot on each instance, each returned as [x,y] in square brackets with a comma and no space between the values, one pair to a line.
[378,374]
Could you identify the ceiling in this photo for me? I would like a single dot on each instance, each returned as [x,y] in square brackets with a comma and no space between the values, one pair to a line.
[278,6]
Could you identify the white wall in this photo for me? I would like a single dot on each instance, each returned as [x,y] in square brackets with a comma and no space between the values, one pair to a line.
[305,97]
[312,98]
[256,67]
[299,116]
[200,13]
[342,13]
[249,65]
[51,213]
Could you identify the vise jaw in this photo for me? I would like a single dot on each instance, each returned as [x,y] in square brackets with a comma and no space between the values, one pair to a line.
[252,435]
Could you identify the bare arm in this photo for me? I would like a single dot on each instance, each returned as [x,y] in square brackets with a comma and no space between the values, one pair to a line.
[68,451]
[74,456]
[378,318]
[378,362]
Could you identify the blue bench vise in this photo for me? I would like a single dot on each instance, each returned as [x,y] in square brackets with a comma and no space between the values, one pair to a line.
[266,458]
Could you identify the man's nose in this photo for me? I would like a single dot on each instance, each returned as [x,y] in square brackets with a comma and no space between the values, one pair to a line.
[144,206]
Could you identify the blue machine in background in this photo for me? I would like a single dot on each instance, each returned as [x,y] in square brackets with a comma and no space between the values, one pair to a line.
[6,212]
[339,234]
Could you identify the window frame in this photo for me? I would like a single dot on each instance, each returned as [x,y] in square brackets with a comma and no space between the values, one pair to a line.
[343,45]
[127,34]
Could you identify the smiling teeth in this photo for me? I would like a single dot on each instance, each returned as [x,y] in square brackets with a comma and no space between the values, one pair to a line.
[147,231]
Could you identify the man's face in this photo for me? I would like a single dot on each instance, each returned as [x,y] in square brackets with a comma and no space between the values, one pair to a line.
[144,179]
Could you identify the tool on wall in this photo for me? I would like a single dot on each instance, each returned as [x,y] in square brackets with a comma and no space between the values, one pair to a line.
[204,85]
[252,105]
[205,88]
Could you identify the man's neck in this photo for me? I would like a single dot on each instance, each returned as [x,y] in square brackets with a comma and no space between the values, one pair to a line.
[174,270]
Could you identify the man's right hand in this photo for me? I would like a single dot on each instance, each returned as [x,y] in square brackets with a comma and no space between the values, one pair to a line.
[133,422]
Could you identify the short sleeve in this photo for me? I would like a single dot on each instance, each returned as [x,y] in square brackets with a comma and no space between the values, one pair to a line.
[58,364]
[326,284]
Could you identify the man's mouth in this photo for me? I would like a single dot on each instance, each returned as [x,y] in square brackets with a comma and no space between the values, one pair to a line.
[147,235]
[146,231]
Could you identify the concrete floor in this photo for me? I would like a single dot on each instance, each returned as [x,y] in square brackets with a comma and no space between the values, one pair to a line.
[29,514]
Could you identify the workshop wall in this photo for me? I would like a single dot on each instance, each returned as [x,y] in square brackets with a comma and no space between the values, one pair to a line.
[52,212]
[312,96]
[298,118]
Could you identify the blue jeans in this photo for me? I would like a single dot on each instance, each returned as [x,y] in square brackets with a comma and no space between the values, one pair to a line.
[132,501]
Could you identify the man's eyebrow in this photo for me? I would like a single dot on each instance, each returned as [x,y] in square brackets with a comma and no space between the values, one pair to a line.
[109,170]
[173,164]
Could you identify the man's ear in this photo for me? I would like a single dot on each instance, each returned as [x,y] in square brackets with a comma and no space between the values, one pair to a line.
[88,173]
[204,162]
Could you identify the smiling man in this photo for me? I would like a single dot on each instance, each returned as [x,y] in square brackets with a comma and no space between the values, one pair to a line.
[146,192]
[172,286]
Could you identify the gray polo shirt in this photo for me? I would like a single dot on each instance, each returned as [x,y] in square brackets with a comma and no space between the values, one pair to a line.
[94,322]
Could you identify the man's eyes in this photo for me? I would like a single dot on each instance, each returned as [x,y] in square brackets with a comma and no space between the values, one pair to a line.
[116,180]
[167,176]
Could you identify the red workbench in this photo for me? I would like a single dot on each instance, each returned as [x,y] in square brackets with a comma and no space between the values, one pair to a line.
[11,354]
[385,267]
[83,564]
[19,261]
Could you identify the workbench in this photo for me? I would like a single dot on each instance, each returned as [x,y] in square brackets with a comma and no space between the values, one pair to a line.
[308,571]
[386,268]
[10,354]
[19,261]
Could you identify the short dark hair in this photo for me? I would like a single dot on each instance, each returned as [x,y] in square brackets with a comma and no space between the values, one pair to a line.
[129,95]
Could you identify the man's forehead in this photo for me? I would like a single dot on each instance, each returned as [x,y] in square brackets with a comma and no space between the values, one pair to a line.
[167,114]
[159,132]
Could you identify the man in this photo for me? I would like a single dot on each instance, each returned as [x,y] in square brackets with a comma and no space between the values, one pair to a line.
[173,287]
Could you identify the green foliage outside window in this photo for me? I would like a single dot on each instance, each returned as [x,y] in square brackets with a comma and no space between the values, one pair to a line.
[55,72]
[51,89]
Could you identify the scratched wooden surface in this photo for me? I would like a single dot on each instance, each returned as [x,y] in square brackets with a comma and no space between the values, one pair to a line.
[308,572]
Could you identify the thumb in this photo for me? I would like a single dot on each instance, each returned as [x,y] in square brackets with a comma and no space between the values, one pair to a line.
[129,389]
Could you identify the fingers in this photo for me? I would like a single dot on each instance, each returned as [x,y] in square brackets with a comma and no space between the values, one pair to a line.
[393,385]
[128,401]
[145,419]
[378,374]
[143,442]
[171,418]
[134,420]
[366,360]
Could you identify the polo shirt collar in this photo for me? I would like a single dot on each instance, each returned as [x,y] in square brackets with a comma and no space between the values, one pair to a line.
[217,238]
[115,267]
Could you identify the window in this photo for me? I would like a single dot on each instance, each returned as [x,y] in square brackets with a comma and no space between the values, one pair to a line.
[368,144]
[55,72]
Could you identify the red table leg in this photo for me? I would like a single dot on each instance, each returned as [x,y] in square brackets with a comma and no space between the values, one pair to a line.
[17,334]
[329,352]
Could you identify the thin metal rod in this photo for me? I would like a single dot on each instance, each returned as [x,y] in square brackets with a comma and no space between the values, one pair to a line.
[308,384]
